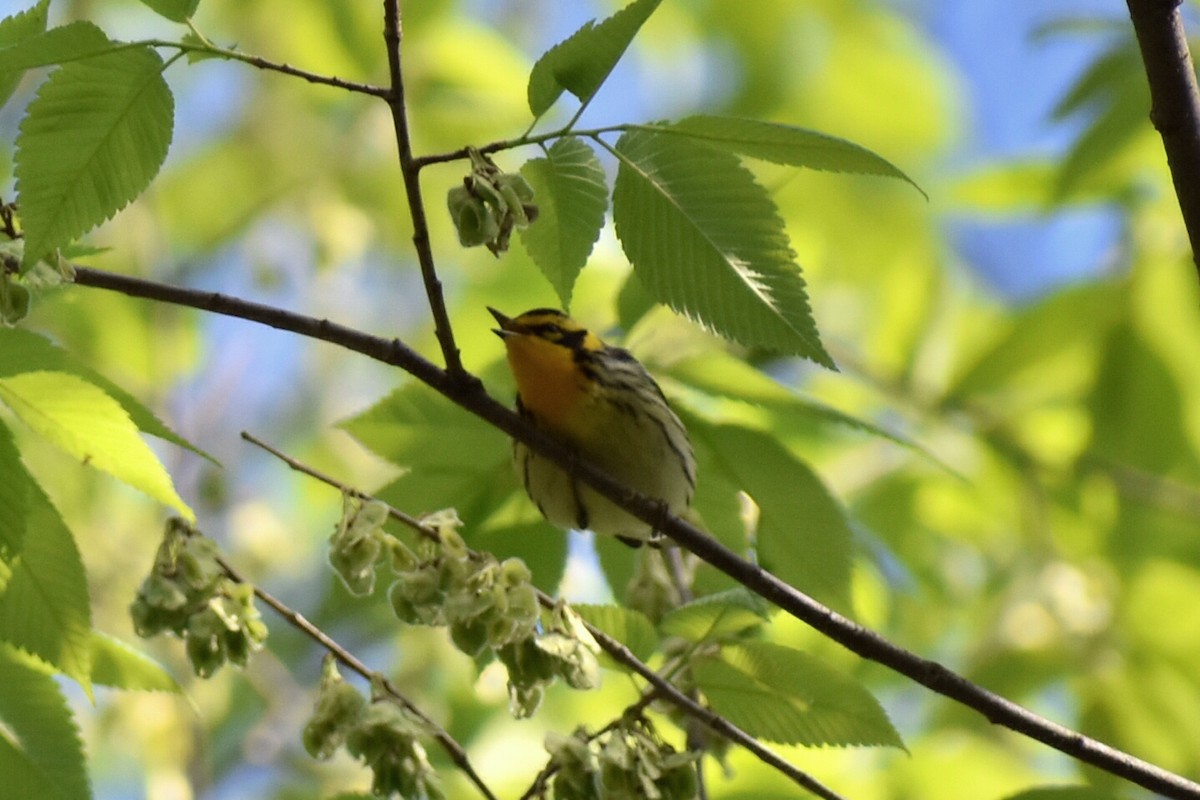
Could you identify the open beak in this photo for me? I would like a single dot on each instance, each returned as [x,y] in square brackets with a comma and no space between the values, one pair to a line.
[506,328]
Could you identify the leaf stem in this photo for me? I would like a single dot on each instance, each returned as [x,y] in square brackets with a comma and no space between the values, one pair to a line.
[510,144]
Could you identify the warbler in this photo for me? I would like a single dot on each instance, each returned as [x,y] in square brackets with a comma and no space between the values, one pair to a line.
[599,400]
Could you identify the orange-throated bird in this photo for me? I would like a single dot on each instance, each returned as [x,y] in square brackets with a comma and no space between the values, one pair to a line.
[602,402]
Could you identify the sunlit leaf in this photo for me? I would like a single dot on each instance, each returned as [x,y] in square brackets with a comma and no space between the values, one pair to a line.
[787,696]
[81,419]
[706,240]
[91,141]
[571,195]
[120,666]
[46,759]
[24,351]
[581,63]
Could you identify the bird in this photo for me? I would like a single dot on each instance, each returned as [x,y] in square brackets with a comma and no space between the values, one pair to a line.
[599,401]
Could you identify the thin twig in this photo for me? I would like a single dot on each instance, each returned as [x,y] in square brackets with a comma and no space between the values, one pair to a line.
[846,632]
[614,648]
[411,173]
[453,749]
[1174,101]
[268,65]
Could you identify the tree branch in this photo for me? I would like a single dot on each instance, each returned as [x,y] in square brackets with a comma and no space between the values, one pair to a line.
[453,749]
[615,649]
[864,642]
[270,66]
[411,172]
[1174,102]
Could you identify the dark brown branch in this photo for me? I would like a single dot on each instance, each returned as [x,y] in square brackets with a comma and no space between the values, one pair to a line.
[864,642]
[1174,102]
[411,173]
[269,66]
[297,620]
[661,687]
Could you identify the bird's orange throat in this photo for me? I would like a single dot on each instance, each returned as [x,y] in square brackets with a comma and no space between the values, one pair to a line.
[549,381]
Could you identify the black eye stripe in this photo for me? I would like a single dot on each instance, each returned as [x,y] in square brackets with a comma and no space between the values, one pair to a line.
[572,339]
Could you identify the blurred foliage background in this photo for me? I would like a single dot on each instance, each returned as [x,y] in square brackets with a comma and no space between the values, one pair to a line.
[1042,539]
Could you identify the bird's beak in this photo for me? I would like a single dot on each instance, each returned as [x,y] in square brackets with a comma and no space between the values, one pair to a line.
[506,324]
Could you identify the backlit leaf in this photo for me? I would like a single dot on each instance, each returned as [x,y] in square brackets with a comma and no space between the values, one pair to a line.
[706,240]
[787,696]
[82,420]
[72,42]
[581,63]
[120,666]
[803,536]
[782,144]
[91,141]
[174,10]
[46,759]
[716,615]
[571,195]
[629,627]
[24,351]
[23,25]
[44,607]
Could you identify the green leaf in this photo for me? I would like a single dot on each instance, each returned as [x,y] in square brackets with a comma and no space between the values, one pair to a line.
[16,486]
[44,606]
[61,45]
[15,29]
[1043,347]
[91,141]
[629,627]
[722,375]
[716,616]
[787,696]
[40,750]
[24,351]
[1114,89]
[452,458]
[582,62]
[706,240]
[571,195]
[1064,793]
[81,419]
[803,536]
[174,10]
[120,666]
[783,144]
[633,302]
